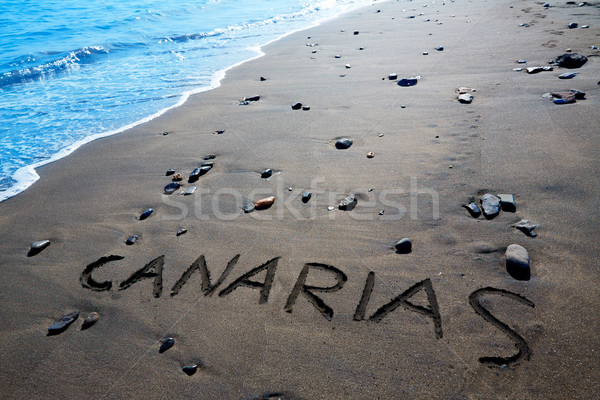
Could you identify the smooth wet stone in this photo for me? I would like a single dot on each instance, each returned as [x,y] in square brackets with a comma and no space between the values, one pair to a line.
[356,32]
[37,246]
[244,103]
[507,202]
[131,240]
[517,262]
[403,246]
[262,79]
[306,197]
[490,205]
[190,191]
[264,203]
[198,172]
[166,344]
[573,25]
[405,82]
[190,369]
[348,66]
[252,98]
[517,69]
[209,157]
[370,154]
[330,208]
[440,48]
[306,108]
[337,56]
[220,131]
[343,144]
[465,98]
[207,164]
[165,133]
[248,208]
[473,209]
[392,77]
[177,177]
[63,323]
[146,213]
[181,231]
[296,106]
[170,172]
[266,173]
[425,53]
[567,75]
[526,227]
[171,187]
[522,61]
[571,60]
[90,320]
[348,203]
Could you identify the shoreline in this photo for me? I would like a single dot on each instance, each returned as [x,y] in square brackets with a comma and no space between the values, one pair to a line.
[307,300]
[27,175]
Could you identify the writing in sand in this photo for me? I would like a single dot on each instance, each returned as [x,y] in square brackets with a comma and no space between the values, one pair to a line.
[153,271]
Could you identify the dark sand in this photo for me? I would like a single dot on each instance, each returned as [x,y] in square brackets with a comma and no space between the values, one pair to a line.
[509,140]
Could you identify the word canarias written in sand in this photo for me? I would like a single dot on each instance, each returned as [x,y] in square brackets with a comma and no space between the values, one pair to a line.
[154,271]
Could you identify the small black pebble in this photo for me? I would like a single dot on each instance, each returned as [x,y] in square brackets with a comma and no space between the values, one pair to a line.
[166,344]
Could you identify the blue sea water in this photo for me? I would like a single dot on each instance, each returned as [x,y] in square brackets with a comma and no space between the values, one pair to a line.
[73,71]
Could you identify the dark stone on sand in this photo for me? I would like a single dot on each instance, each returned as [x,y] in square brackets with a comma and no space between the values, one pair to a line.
[172,187]
[90,320]
[343,144]
[440,48]
[244,103]
[170,172]
[306,197]
[348,203]
[207,164]
[262,79]
[490,205]
[181,231]
[507,202]
[190,369]
[407,82]
[473,209]
[248,208]
[465,98]
[306,108]
[567,75]
[517,262]
[221,131]
[403,246]
[252,98]
[209,157]
[571,60]
[165,133]
[392,77]
[198,172]
[526,227]
[146,213]
[131,240]
[166,344]
[296,106]
[356,32]
[63,323]
[266,173]
[573,25]
[37,247]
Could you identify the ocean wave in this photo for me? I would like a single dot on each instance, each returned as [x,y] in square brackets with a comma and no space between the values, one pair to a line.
[84,55]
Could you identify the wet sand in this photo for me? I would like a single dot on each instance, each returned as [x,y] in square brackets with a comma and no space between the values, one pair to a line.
[267,333]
